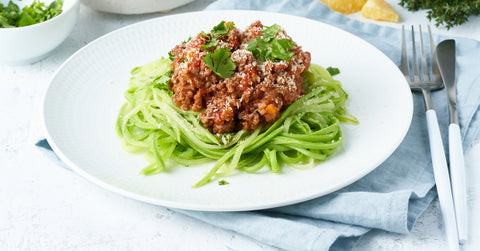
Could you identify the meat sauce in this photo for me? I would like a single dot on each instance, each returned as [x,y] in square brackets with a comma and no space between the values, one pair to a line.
[255,94]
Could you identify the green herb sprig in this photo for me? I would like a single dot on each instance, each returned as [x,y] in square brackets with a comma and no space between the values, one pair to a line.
[448,13]
[333,71]
[223,182]
[214,37]
[266,47]
[11,16]
[220,62]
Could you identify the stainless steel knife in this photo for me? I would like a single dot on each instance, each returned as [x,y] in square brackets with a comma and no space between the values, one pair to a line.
[445,54]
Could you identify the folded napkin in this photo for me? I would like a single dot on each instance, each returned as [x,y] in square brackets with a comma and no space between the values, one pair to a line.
[391,197]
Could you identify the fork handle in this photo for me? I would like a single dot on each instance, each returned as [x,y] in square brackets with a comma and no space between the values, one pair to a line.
[457,174]
[442,180]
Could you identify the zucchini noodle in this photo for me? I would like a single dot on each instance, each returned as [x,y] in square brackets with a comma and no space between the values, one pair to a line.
[306,132]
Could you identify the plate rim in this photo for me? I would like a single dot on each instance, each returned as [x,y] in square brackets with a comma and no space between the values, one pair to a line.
[204,207]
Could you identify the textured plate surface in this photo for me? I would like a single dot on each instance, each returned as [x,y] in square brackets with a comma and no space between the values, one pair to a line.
[84,97]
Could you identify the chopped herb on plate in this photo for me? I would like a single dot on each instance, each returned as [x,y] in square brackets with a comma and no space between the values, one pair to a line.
[223,182]
[333,71]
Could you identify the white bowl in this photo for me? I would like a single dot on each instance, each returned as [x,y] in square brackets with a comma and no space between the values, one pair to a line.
[29,44]
[134,6]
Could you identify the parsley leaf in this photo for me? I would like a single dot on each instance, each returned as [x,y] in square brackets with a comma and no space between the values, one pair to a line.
[223,182]
[259,48]
[212,43]
[222,28]
[281,49]
[270,32]
[171,56]
[333,71]
[267,47]
[162,81]
[186,41]
[220,62]
[214,37]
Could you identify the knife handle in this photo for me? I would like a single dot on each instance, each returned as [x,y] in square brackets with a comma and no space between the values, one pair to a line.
[442,180]
[457,175]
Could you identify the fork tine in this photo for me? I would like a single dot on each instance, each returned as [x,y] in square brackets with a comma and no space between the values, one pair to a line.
[417,80]
[433,61]
[423,58]
[416,74]
[404,65]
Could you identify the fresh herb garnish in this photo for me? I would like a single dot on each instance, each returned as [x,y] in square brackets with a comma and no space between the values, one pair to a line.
[266,47]
[259,48]
[162,81]
[223,182]
[216,34]
[222,28]
[212,43]
[333,71]
[186,41]
[11,16]
[270,32]
[171,56]
[280,49]
[220,62]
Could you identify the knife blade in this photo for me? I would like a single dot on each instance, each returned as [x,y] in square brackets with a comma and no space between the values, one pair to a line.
[445,53]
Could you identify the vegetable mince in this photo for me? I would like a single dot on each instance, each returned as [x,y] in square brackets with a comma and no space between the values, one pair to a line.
[238,79]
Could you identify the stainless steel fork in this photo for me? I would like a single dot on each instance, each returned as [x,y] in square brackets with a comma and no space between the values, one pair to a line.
[426,82]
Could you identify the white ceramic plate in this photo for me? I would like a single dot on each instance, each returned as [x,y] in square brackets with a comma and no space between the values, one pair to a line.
[85,95]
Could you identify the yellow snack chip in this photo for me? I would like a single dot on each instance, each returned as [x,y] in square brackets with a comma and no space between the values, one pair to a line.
[379,10]
[345,6]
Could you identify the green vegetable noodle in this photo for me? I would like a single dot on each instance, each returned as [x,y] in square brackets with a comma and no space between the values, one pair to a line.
[308,131]
[11,16]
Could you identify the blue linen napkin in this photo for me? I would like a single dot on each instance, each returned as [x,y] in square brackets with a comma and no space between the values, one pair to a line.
[391,197]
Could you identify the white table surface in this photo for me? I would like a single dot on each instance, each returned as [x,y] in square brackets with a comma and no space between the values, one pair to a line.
[46,207]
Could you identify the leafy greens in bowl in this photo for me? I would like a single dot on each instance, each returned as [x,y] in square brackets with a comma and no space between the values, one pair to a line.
[11,15]
[32,30]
